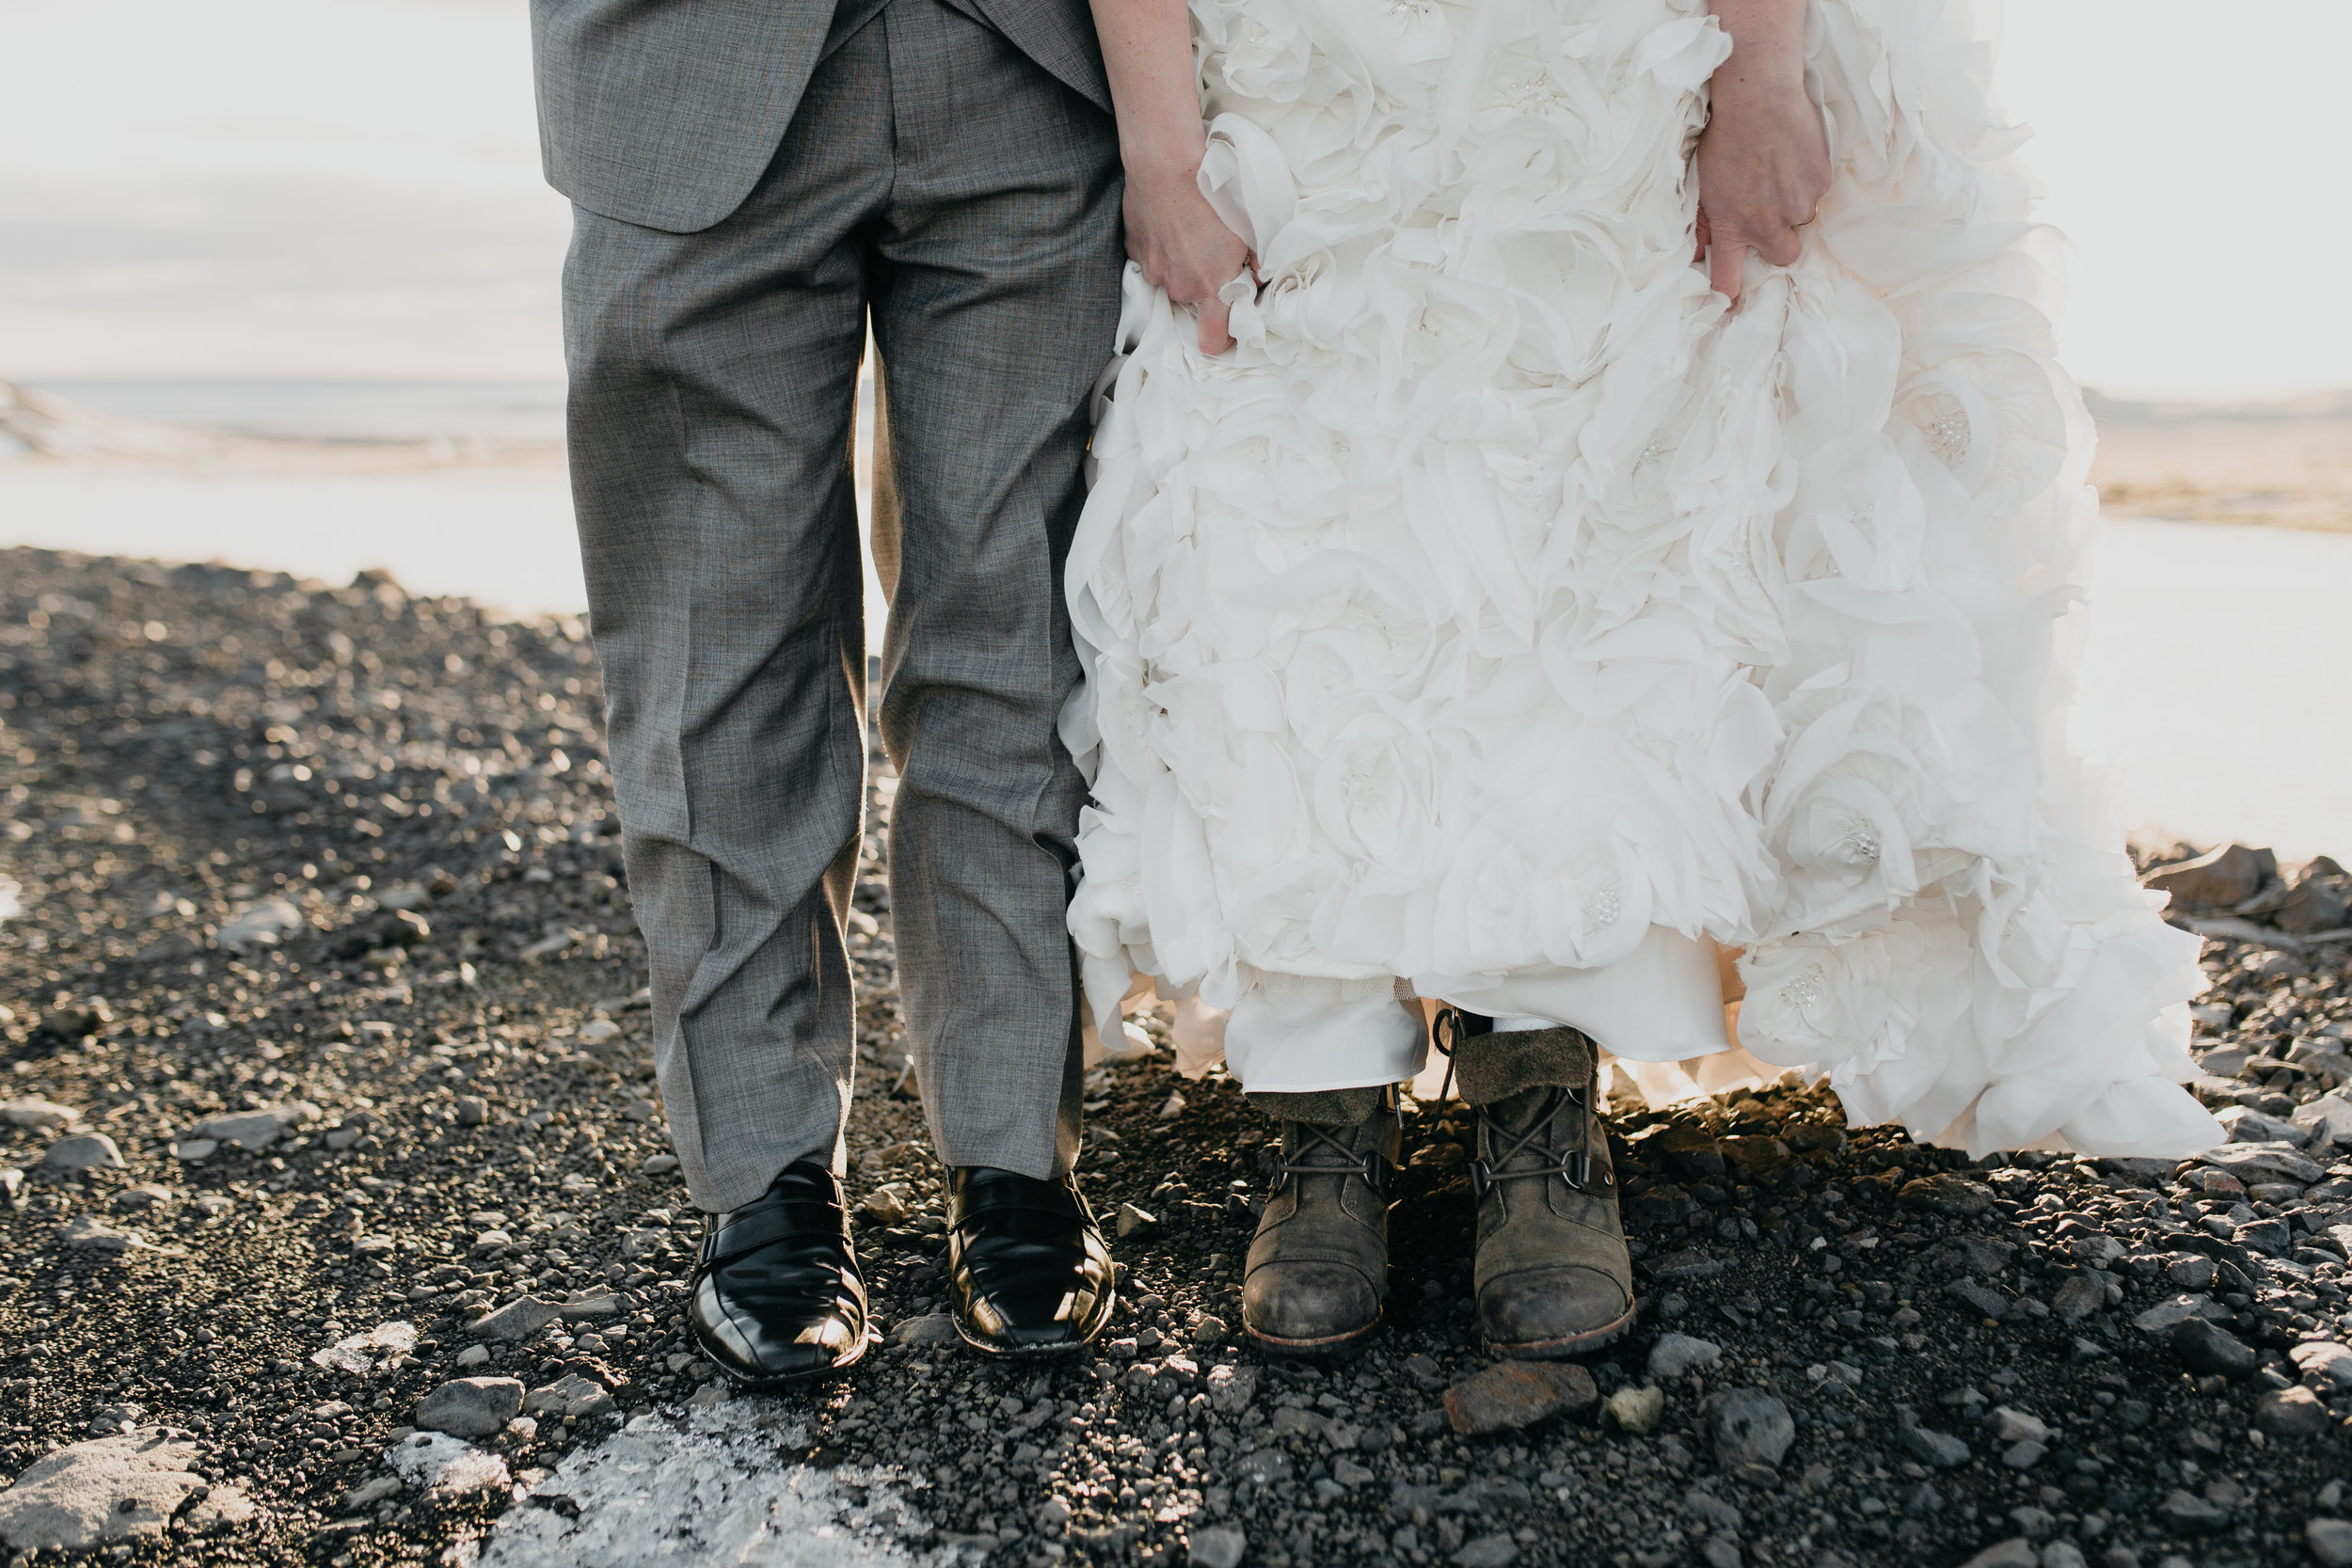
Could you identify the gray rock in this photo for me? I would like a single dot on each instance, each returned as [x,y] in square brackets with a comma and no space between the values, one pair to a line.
[37,1113]
[2210,1350]
[1210,1330]
[2325,1363]
[1949,1194]
[369,1493]
[2079,1297]
[2225,877]
[2190,1271]
[2168,1315]
[84,1231]
[470,1406]
[1749,1427]
[261,923]
[1677,1354]
[1232,1388]
[109,1489]
[1980,1299]
[2017,1552]
[2327,1120]
[1133,1221]
[83,1151]
[2330,1542]
[1934,1448]
[255,1129]
[1712,1510]
[2188,1511]
[2063,1554]
[1513,1394]
[2252,1163]
[516,1320]
[934,1328]
[2024,1456]
[1487,1551]
[571,1395]
[2247,1125]
[583,1308]
[2014,1426]
[2291,1413]
[1217,1546]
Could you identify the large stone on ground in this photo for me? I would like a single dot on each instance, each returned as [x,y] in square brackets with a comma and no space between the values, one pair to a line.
[571,1395]
[2226,876]
[516,1320]
[84,1231]
[2252,1163]
[261,923]
[2209,1350]
[1511,1394]
[1676,1355]
[2328,1118]
[2327,1362]
[1938,1449]
[39,1113]
[2330,1540]
[1217,1546]
[83,1151]
[470,1406]
[934,1328]
[1749,1427]
[2291,1413]
[255,1129]
[110,1489]
[1949,1194]
[1637,1410]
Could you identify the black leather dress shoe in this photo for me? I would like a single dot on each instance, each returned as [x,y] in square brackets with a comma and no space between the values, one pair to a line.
[1028,1270]
[776,1297]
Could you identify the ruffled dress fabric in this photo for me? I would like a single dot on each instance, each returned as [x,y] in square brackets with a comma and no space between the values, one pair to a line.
[1503,609]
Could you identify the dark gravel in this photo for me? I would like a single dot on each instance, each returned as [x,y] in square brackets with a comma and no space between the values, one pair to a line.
[1923,1358]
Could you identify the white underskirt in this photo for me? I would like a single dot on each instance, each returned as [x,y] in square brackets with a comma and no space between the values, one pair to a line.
[1663,1001]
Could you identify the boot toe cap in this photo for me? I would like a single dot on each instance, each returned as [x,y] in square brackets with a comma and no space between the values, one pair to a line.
[1552,1308]
[1309,1304]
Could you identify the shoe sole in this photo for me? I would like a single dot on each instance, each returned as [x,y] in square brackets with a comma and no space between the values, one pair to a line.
[1568,1348]
[794,1380]
[1335,1344]
[1034,1352]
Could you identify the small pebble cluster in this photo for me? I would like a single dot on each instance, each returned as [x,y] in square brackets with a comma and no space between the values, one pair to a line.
[339,1228]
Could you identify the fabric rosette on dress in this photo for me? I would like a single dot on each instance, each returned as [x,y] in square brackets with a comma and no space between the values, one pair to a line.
[1503,613]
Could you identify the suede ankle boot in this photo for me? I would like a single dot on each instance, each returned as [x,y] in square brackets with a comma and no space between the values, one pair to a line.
[1319,1265]
[1553,1276]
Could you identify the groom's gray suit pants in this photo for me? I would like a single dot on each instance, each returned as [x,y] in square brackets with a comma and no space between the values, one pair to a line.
[937,181]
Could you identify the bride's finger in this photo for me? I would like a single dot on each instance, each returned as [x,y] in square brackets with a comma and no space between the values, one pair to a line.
[1725,264]
[1216,321]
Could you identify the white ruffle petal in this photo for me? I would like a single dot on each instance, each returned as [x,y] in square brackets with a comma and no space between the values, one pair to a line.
[1502,598]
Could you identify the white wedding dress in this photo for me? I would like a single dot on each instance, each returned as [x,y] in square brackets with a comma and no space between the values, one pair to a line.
[1504,621]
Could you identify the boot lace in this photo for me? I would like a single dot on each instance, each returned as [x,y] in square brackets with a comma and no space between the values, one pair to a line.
[1573,1165]
[1315,1138]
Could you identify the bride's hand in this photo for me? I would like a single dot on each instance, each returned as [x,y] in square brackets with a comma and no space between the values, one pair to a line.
[1180,243]
[1763,160]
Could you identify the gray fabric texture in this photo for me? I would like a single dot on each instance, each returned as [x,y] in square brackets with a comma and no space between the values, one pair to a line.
[666,113]
[1320,1107]
[1499,1064]
[937,181]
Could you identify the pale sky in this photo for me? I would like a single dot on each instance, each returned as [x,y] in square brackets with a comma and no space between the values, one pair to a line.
[349,188]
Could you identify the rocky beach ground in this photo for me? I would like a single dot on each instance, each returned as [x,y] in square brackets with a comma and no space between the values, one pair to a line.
[340,1227]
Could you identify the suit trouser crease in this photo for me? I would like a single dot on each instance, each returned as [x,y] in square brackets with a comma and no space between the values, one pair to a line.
[937,183]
